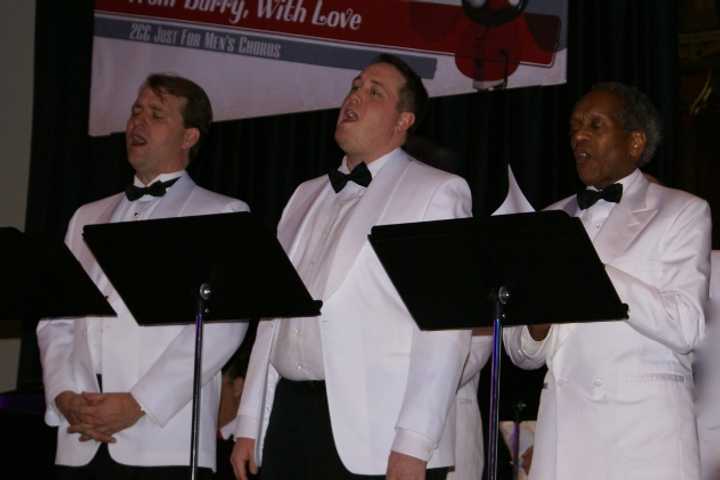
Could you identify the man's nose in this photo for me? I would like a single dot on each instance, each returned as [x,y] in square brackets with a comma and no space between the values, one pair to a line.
[354,98]
[578,135]
[138,119]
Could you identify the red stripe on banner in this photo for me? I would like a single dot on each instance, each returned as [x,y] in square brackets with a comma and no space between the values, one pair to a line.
[392,23]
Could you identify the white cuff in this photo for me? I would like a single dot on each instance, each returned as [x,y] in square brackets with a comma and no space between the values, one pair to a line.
[228,430]
[528,345]
[246,427]
[413,444]
[145,411]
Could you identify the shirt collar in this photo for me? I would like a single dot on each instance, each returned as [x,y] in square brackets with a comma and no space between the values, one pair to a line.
[630,180]
[376,165]
[626,181]
[163,177]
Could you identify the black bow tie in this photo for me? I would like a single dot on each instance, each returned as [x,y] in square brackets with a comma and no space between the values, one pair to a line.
[360,175]
[587,198]
[157,189]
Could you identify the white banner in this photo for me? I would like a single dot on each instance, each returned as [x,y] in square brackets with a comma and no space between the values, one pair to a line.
[266,57]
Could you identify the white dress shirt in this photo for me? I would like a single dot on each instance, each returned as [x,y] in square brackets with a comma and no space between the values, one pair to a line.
[297,352]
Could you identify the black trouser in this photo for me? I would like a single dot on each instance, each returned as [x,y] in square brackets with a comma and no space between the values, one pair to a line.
[103,467]
[299,442]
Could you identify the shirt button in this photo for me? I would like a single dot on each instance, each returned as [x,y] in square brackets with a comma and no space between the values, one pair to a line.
[299,367]
[597,382]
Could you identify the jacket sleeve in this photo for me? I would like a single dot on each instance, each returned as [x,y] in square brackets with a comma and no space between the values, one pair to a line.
[167,386]
[253,406]
[250,410]
[671,311]
[525,351]
[480,351]
[436,358]
[55,341]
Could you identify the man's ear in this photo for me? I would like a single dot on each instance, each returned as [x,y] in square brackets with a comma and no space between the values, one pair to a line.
[190,138]
[406,120]
[638,141]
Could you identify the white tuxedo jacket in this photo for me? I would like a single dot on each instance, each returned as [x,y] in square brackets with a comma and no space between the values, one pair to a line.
[617,402]
[381,371]
[154,364]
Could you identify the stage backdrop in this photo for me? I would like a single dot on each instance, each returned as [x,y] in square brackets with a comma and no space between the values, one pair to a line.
[265,57]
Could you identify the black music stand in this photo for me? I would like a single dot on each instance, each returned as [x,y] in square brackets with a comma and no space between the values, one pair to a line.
[520,269]
[223,267]
[42,279]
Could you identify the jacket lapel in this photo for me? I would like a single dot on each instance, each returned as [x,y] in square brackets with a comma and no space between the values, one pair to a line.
[570,206]
[292,225]
[85,255]
[625,222]
[366,215]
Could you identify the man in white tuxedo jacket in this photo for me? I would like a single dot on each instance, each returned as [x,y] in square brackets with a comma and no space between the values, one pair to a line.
[120,393]
[618,397]
[359,390]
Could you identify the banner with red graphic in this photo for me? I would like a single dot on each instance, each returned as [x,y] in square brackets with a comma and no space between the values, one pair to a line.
[265,57]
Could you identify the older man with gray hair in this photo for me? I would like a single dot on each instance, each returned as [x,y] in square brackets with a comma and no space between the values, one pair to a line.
[618,395]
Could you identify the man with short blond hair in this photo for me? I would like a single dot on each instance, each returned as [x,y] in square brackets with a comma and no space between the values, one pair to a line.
[120,394]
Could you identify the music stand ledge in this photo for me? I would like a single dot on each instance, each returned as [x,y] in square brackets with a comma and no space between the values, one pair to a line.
[504,270]
[223,267]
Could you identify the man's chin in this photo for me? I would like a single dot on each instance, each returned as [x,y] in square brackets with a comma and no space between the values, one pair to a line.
[341,129]
[135,160]
[586,175]
[342,137]
[134,151]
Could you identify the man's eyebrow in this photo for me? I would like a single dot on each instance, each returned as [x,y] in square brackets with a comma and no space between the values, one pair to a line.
[378,83]
[156,105]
